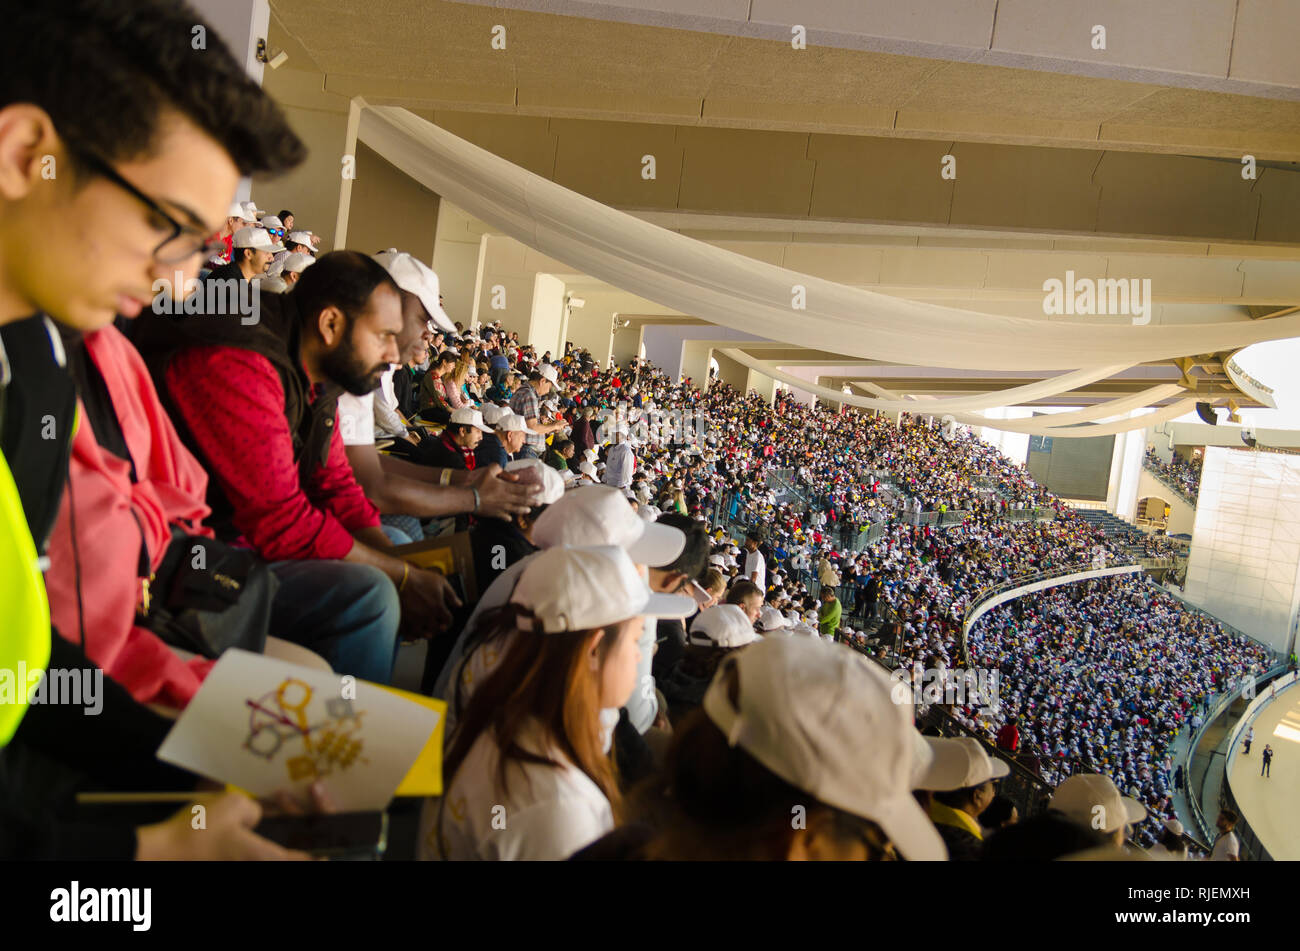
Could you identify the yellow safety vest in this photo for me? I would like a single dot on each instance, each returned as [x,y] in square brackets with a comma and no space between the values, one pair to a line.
[25,633]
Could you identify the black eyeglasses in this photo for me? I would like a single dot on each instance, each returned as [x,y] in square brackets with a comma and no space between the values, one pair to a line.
[183,243]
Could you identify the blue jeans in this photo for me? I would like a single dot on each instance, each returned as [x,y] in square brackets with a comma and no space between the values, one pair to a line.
[401,529]
[346,613]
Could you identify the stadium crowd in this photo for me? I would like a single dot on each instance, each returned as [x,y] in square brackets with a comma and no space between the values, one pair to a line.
[1177,471]
[631,680]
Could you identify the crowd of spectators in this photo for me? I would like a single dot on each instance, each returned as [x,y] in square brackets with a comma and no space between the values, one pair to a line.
[1177,471]
[627,677]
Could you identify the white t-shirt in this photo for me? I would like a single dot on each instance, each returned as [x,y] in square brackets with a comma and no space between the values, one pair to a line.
[546,813]
[357,419]
[619,465]
[386,391]
[1226,847]
[754,561]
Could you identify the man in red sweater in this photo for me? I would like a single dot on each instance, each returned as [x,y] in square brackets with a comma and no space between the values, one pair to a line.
[257,404]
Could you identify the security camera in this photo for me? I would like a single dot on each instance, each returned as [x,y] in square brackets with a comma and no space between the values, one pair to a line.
[577,302]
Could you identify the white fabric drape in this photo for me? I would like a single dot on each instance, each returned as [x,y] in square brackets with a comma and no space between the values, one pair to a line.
[1057,424]
[734,291]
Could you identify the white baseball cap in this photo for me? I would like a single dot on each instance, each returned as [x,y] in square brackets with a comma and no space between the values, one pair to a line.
[548,373]
[587,469]
[772,620]
[298,262]
[236,210]
[300,237]
[536,472]
[415,277]
[577,589]
[252,212]
[512,422]
[947,764]
[273,284]
[493,414]
[821,717]
[1087,797]
[723,625]
[468,416]
[257,238]
[598,514]
[272,221]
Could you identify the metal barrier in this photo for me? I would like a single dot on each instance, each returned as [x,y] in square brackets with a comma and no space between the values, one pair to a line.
[1164,479]
[1012,588]
[1252,849]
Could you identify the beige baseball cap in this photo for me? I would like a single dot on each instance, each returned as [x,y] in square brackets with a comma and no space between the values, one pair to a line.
[577,589]
[1095,802]
[723,625]
[819,716]
[536,472]
[599,515]
[955,763]
[415,277]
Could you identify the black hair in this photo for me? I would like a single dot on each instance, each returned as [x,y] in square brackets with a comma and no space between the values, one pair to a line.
[107,72]
[1041,838]
[342,279]
[286,213]
[694,557]
[561,444]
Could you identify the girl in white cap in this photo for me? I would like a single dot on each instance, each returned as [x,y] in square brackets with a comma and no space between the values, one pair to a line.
[526,770]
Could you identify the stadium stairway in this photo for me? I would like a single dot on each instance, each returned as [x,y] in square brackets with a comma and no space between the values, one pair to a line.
[1110,524]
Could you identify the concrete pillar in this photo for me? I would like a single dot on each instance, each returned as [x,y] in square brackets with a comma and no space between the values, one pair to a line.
[546,316]
[695,362]
[505,285]
[626,341]
[763,384]
[1130,447]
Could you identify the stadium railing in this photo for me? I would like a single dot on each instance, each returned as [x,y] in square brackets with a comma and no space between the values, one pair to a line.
[1168,481]
[1252,849]
[1012,588]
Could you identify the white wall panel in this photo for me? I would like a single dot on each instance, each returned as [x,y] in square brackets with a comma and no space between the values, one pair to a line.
[1245,558]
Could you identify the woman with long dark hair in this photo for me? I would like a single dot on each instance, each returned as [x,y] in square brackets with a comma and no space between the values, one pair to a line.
[528,773]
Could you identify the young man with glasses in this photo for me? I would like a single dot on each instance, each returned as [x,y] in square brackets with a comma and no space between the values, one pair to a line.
[148,139]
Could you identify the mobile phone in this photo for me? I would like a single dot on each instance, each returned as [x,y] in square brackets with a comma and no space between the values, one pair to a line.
[702,597]
[341,835]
